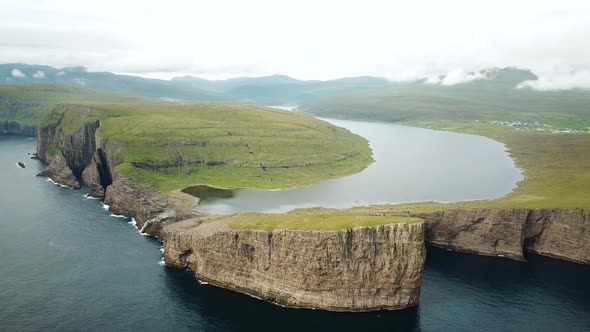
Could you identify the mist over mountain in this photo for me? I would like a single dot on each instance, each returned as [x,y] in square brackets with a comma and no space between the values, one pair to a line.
[265,90]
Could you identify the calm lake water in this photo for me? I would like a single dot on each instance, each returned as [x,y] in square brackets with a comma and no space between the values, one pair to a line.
[67,265]
[411,164]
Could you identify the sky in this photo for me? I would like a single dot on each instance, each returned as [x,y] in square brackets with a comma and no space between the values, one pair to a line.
[319,39]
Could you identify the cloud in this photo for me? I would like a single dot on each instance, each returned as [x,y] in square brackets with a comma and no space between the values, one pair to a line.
[232,37]
[17,73]
[576,80]
[459,76]
[433,80]
[39,74]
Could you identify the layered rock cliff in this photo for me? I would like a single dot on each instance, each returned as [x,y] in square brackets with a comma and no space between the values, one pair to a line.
[558,233]
[83,157]
[362,269]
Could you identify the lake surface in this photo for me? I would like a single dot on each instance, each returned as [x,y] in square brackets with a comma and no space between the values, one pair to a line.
[411,164]
[66,264]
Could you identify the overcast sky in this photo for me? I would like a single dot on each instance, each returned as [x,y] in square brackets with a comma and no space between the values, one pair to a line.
[318,39]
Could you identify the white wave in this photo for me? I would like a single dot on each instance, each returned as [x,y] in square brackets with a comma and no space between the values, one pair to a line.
[117,215]
[106,207]
[141,230]
[133,222]
[162,249]
[89,197]
[162,263]
[59,184]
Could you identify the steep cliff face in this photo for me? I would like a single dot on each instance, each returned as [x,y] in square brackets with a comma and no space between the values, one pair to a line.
[14,127]
[559,233]
[67,155]
[83,157]
[363,269]
[482,232]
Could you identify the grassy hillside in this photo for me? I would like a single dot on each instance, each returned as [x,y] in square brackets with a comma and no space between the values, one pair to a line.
[496,99]
[29,103]
[556,164]
[225,145]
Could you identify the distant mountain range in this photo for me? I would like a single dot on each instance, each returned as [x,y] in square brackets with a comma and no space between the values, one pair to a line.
[266,90]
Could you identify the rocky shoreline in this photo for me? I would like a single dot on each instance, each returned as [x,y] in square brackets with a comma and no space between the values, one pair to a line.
[361,269]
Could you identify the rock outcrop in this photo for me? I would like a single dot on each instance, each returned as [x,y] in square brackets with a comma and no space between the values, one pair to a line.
[59,172]
[559,233]
[362,269]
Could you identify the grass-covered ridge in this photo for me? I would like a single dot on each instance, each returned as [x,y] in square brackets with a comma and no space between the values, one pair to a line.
[29,103]
[219,144]
[312,219]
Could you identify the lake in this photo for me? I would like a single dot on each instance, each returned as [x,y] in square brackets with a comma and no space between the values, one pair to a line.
[411,164]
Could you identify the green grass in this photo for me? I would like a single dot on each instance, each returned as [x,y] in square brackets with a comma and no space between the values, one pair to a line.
[311,219]
[29,103]
[225,145]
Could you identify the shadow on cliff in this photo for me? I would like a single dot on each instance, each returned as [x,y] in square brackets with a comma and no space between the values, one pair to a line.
[226,310]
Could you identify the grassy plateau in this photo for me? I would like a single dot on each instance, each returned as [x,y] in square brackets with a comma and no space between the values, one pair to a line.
[312,219]
[225,145]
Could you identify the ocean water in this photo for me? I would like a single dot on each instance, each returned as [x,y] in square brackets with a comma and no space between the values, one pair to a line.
[66,264]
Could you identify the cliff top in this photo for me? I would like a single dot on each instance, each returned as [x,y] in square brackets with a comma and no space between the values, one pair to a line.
[311,219]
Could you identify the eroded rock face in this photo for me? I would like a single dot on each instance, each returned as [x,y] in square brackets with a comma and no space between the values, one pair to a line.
[482,231]
[363,269]
[559,233]
[59,172]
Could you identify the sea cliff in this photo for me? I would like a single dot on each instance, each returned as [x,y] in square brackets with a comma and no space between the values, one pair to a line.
[558,233]
[84,158]
[361,269]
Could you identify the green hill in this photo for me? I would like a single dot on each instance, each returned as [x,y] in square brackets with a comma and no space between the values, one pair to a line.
[493,99]
[106,81]
[29,103]
[227,145]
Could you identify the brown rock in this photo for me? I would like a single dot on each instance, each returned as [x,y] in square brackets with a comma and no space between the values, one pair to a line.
[363,269]
[559,233]
[483,231]
[59,172]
